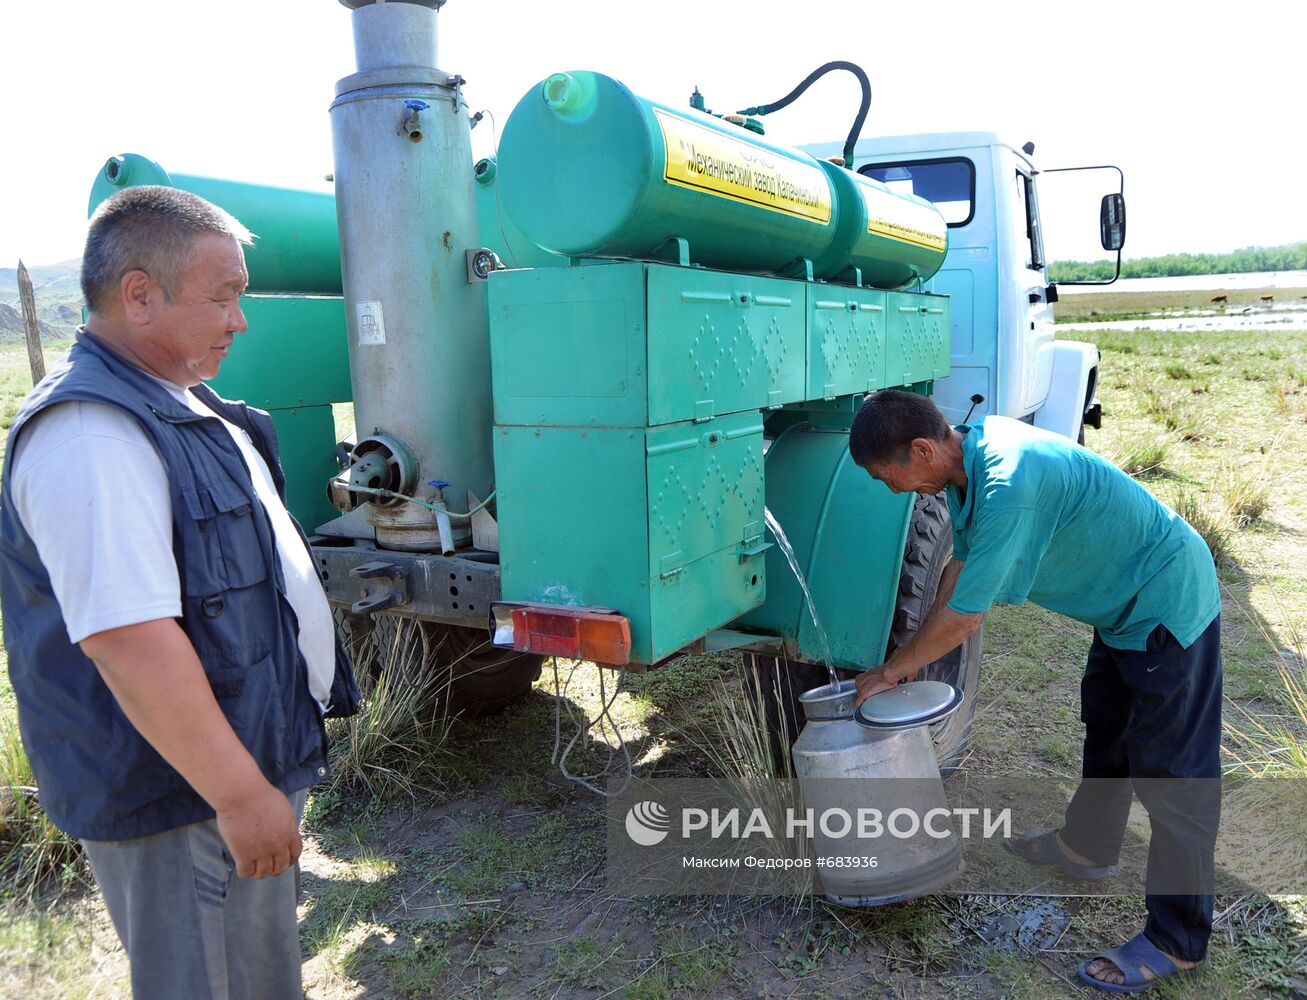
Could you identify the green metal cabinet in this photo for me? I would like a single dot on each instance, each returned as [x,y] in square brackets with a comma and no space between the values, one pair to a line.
[629,438]
[918,338]
[664,524]
[642,344]
[721,343]
[847,353]
[629,449]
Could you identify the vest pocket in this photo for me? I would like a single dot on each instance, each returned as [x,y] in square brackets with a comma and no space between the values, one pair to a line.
[223,540]
[250,697]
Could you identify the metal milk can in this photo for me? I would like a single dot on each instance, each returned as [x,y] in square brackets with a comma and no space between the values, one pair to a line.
[872,792]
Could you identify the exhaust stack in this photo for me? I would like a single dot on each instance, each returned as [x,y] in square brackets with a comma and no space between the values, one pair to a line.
[418,345]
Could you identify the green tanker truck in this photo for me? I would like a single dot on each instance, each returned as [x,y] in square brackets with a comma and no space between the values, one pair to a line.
[597,375]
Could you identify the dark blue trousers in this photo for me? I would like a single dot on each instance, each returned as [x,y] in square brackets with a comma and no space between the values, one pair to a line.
[1153,728]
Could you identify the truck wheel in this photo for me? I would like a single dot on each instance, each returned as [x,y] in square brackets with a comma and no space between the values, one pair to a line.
[773,685]
[487,679]
[475,678]
[928,550]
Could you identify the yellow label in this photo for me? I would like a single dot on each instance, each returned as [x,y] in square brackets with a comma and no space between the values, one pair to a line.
[705,160]
[898,219]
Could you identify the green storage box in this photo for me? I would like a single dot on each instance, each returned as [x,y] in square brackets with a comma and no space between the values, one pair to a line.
[663,524]
[640,344]
[847,347]
[918,338]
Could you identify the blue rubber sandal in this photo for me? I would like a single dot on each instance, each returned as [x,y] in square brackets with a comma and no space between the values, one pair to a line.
[1041,847]
[1131,958]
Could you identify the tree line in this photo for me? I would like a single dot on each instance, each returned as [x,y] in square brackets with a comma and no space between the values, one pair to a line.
[1292,257]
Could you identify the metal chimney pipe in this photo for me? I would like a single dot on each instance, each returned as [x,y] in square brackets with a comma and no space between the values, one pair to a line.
[406,204]
[398,33]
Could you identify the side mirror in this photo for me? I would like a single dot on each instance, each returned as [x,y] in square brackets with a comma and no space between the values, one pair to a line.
[1111,222]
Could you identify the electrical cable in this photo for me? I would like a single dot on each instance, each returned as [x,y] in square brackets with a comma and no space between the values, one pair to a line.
[788,99]
[499,212]
[583,726]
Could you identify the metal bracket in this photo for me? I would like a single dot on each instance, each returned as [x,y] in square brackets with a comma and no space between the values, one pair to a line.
[455,590]
[485,529]
[388,589]
[671,565]
[725,638]
[674,250]
[751,547]
[800,267]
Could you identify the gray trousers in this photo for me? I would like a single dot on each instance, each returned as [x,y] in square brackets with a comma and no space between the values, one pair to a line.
[190,927]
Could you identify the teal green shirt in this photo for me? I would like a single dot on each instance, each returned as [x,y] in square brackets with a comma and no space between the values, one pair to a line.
[1048,521]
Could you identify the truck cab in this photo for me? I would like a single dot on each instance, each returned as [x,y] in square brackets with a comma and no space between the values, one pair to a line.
[995,274]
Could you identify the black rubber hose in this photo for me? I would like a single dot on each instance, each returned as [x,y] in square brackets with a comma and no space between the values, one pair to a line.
[813,77]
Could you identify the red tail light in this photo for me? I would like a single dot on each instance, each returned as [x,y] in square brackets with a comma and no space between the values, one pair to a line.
[573,633]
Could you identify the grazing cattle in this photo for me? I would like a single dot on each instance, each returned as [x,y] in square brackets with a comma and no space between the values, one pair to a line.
[1267,299]
[1219,300]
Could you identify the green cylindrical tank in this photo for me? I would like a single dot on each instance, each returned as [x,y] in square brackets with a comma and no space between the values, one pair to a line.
[893,239]
[297,247]
[589,169]
[497,230]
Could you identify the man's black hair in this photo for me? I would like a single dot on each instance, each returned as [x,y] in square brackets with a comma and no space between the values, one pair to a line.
[152,229]
[889,421]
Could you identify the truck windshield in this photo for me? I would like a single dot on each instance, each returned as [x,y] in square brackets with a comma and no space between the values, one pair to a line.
[949,184]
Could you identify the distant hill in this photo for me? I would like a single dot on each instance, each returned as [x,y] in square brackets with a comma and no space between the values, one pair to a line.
[58,300]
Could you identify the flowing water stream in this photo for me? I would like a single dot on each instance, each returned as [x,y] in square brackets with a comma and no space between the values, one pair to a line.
[779,534]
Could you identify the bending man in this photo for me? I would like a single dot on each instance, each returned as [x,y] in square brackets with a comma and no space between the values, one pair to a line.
[1038,518]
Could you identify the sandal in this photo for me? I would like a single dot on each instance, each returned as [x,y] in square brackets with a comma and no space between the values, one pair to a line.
[1041,847]
[1131,959]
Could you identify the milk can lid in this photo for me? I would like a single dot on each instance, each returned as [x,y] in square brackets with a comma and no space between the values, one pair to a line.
[912,704]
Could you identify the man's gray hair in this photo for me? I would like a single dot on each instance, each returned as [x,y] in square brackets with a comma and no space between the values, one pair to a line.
[889,421]
[151,229]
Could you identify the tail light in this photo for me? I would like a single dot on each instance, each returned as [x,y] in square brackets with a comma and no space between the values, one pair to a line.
[595,634]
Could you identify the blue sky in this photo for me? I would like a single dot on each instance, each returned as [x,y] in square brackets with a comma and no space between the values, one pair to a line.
[1201,110]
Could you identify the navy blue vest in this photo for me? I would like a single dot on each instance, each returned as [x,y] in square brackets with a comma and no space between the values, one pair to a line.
[98,779]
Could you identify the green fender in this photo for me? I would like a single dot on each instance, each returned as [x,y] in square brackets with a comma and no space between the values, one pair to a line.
[848,532]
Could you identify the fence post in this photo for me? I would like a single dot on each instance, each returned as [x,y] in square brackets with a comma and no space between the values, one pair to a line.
[31,325]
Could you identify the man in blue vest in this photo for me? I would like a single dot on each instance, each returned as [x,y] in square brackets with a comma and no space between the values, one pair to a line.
[170,646]
[1038,518]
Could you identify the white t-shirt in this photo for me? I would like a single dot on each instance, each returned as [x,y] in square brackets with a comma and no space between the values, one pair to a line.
[92,492]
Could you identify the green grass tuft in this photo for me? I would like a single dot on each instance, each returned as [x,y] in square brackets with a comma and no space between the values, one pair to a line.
[1143,456]
[394,746]
[35,855]
[1247,491]
[1174,411]
[1291,399]
[1211,522]
[1274,744]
